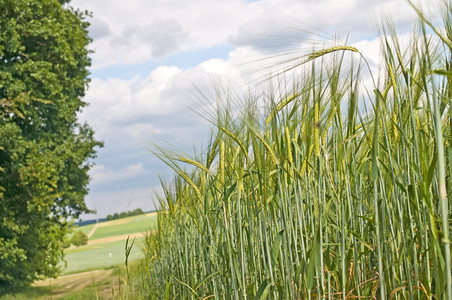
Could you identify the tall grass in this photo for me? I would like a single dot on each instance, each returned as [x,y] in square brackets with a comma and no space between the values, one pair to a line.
[332,190]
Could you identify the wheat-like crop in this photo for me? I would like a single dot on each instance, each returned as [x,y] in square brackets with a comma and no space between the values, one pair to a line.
[309,202]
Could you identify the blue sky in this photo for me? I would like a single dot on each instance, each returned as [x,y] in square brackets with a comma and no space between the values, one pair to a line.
[149,54]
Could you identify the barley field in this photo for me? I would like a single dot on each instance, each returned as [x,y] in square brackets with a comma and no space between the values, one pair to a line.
[330,186]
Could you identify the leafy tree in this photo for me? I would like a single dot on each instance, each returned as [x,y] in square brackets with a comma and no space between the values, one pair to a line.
[44,150]
[137,212]
[79,238]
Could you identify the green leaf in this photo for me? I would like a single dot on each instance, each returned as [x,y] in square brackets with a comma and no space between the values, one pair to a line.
[310,275]
[314,260]
[263,290]
[168,288]
[276,246]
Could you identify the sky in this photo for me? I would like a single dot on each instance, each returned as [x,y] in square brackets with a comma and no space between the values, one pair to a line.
[151,56]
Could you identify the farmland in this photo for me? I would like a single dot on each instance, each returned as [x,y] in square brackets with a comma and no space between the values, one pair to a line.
[98,267]
[105,247]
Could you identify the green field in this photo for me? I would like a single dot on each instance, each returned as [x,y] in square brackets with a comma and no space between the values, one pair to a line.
[86,229]
[106,247]
[123,226]
[100,256]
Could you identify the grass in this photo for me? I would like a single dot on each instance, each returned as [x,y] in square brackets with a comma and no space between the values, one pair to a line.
[319,187]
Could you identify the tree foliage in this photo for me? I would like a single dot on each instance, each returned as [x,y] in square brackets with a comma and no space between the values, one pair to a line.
[44,150]
[124,214]
[79,238]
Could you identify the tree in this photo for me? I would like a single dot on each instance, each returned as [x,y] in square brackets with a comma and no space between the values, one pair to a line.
[137,212]
[79,238]
[44,151]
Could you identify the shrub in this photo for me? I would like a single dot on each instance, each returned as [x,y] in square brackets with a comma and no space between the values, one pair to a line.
[79,238]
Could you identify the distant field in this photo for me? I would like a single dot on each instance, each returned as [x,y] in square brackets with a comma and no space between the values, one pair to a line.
[92,257]
[86,229]
[141,223]
[105,247]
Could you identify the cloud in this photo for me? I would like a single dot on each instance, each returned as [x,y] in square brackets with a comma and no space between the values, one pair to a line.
[159,38]
[136,43]
[142,30]
[101,174]
[99,29]
[279,25]
[143,107]
[164,36]
[121,101]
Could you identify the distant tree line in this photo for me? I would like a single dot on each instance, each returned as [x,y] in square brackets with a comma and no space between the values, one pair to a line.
[130,213]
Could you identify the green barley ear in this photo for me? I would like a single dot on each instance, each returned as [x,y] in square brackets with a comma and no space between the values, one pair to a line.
[330,50]
[193,163]
[236,139]
[279,107]
[267,146]
[289,148]
[191,183]
[317,128]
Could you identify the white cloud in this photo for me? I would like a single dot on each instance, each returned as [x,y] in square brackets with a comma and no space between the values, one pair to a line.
[155,39]
[115,101]
[140,30]
[144,107]
[101,174]
[215,66]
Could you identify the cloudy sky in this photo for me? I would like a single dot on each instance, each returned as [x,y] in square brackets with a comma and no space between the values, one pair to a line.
[149,55]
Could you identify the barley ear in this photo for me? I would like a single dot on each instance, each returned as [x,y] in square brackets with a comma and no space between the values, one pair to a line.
[330,50]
